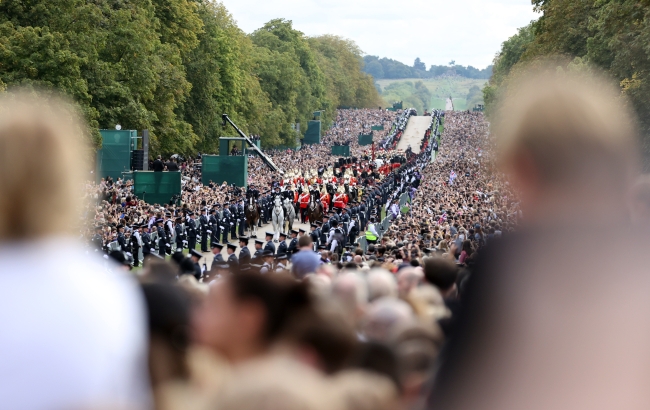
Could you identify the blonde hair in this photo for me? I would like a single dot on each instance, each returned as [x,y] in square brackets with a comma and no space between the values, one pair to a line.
[42,147]
[575,127]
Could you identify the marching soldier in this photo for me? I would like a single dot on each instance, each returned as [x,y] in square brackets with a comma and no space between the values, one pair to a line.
[270,246]
[257,257]
[283,249]
[267,267]
[233,261]
[293,245]
[281,265]
[244,253]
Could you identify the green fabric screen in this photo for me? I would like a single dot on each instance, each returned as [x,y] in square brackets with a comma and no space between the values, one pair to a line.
[377,128]
[156,187]
[341,150]
[313,134]
[365,139]
[115,155]
[217,168]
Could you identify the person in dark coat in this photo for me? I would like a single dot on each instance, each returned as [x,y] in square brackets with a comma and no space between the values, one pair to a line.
[158,165]
[270,246]
[244,252]
[233,261]
[283,249]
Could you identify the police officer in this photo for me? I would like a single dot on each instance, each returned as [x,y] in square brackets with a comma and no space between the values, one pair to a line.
[203,221]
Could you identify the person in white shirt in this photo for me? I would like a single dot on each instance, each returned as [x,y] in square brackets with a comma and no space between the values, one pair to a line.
[73,333]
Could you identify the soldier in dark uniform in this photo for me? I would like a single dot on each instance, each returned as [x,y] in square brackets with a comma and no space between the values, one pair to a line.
[216,251]
[162,238]
[282,247]
[235,219]
[325,229]
[233,262]
[270,246]
[180,235]
[225,222]
[314,234]
[121,240]
[293,245]
[353,229]
[244,252]
[242,218]
[97,242]
[196,257]
[257,257]
[267,266]
[146,243]
[213,227]
[191,231]
[136,244]
[203,221]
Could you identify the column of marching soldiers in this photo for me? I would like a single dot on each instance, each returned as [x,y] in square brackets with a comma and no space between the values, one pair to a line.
[212,228]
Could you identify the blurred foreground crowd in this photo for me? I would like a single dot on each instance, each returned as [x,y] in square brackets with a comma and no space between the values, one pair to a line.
[516,278]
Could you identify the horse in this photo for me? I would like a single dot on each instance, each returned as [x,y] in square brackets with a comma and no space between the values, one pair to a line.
[252,213]
[315,211]
[289,213]
[277,217]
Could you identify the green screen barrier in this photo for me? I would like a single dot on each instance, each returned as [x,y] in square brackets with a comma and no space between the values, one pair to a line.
[341,150]
[156,187]
[216,168]
[365,139]
[115,155]
[313,134]
[377,128]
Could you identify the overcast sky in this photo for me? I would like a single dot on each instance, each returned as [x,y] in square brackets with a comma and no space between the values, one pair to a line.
[438,31]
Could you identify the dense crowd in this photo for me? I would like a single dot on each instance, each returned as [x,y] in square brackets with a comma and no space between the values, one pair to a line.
[487,291]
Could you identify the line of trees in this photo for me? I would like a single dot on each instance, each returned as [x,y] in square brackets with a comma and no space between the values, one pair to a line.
[580,35]
[174,66]
[386,68]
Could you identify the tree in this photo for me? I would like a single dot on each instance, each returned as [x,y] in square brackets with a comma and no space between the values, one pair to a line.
[419,65]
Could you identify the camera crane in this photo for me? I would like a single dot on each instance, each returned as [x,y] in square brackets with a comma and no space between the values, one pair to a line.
[265,158]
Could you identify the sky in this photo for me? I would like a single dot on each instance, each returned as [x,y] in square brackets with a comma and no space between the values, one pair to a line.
[438,31]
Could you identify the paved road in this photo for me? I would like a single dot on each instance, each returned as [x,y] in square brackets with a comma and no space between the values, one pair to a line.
[414,133]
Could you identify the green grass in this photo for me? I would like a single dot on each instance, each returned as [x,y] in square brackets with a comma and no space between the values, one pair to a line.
[441,89]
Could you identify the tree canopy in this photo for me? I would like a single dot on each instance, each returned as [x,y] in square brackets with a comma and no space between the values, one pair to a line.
[175,66]
[609,35]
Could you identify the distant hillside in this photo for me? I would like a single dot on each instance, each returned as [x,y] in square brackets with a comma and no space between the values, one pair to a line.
[431,93]
[386,68]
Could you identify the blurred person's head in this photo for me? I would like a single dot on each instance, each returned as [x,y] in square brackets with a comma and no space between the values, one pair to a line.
[43,145]
[350,290]
[384,317]
[245,314]
[381,283]
[441,273]
[569,147]
[407,280]
[362,390]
